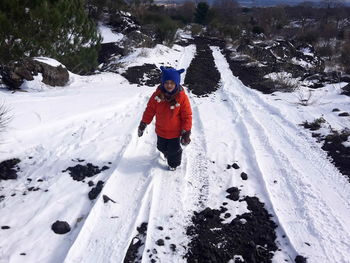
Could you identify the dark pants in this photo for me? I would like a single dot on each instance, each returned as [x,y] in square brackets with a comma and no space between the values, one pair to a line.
[172,150]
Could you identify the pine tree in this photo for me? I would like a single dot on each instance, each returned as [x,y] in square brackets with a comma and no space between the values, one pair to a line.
[59,29]
[202,13]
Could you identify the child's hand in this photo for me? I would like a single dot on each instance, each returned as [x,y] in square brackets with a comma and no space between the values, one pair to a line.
[185,138]
[141,128]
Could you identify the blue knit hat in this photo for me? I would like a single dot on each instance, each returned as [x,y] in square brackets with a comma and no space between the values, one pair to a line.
[171,74]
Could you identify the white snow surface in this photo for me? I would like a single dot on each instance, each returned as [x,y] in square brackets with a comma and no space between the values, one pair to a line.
[95,118]
[108,35]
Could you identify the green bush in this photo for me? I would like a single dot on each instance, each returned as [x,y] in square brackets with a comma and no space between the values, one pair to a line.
[165,26]
[59,29]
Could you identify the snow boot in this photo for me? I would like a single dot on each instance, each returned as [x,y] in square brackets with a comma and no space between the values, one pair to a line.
[172,168]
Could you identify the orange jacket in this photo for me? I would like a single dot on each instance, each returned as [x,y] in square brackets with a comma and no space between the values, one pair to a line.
[170,120]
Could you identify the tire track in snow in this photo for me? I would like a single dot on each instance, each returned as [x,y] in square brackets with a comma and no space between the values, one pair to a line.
[315,221]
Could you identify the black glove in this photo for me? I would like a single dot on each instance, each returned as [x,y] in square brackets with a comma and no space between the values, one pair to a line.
[185,138]
[141,129]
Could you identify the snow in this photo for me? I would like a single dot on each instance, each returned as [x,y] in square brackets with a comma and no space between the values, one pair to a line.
[49,61]
[95,118]
[108,35]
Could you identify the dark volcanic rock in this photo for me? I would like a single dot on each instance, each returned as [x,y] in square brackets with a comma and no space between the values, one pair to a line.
[300,259]
[344,114]
[251,61]
[79,172]
[136,247]
[5,227]
[60,227]
[333,145]
[233,193]
[202,76]
[9,169]
[346,90]
[147,74]
[160,242]
[235,166]
[96,190]
[109,50]
[14,73]
[253,238]
[244,176]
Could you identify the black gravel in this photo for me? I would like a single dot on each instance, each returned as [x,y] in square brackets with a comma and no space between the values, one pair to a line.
[340,155]
[147,74]
[96,190]
[251,235]
[60,227]
[80,172]
[9,169]
[202,76]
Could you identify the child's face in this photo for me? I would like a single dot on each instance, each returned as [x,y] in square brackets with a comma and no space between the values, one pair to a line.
[169,85]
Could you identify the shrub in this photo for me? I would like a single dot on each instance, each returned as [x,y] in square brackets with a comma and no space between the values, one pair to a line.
[165,26]
[315,125]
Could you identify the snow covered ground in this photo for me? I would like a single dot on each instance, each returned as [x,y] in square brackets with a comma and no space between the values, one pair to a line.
[95,119]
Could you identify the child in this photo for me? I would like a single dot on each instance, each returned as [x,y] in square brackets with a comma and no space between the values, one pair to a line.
[171,106]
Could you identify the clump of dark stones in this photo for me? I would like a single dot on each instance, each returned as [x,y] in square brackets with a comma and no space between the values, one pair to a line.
[135,250]
[300,259]
[254,238]
[202,76]
[233,193]
[9,169]
[80,172]
[147,74]
[96,190]
[346,90]
[339,153]
[60,227]
[244,176]
[235,166]
[173,247]
[160,242]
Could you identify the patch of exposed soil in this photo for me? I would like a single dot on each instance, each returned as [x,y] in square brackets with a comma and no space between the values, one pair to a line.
[202,76]
[80,172]
[9,169]
[250,235]
[147,74]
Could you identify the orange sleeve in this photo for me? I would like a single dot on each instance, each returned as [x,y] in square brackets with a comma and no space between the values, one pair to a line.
[186,114]
[150,110]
